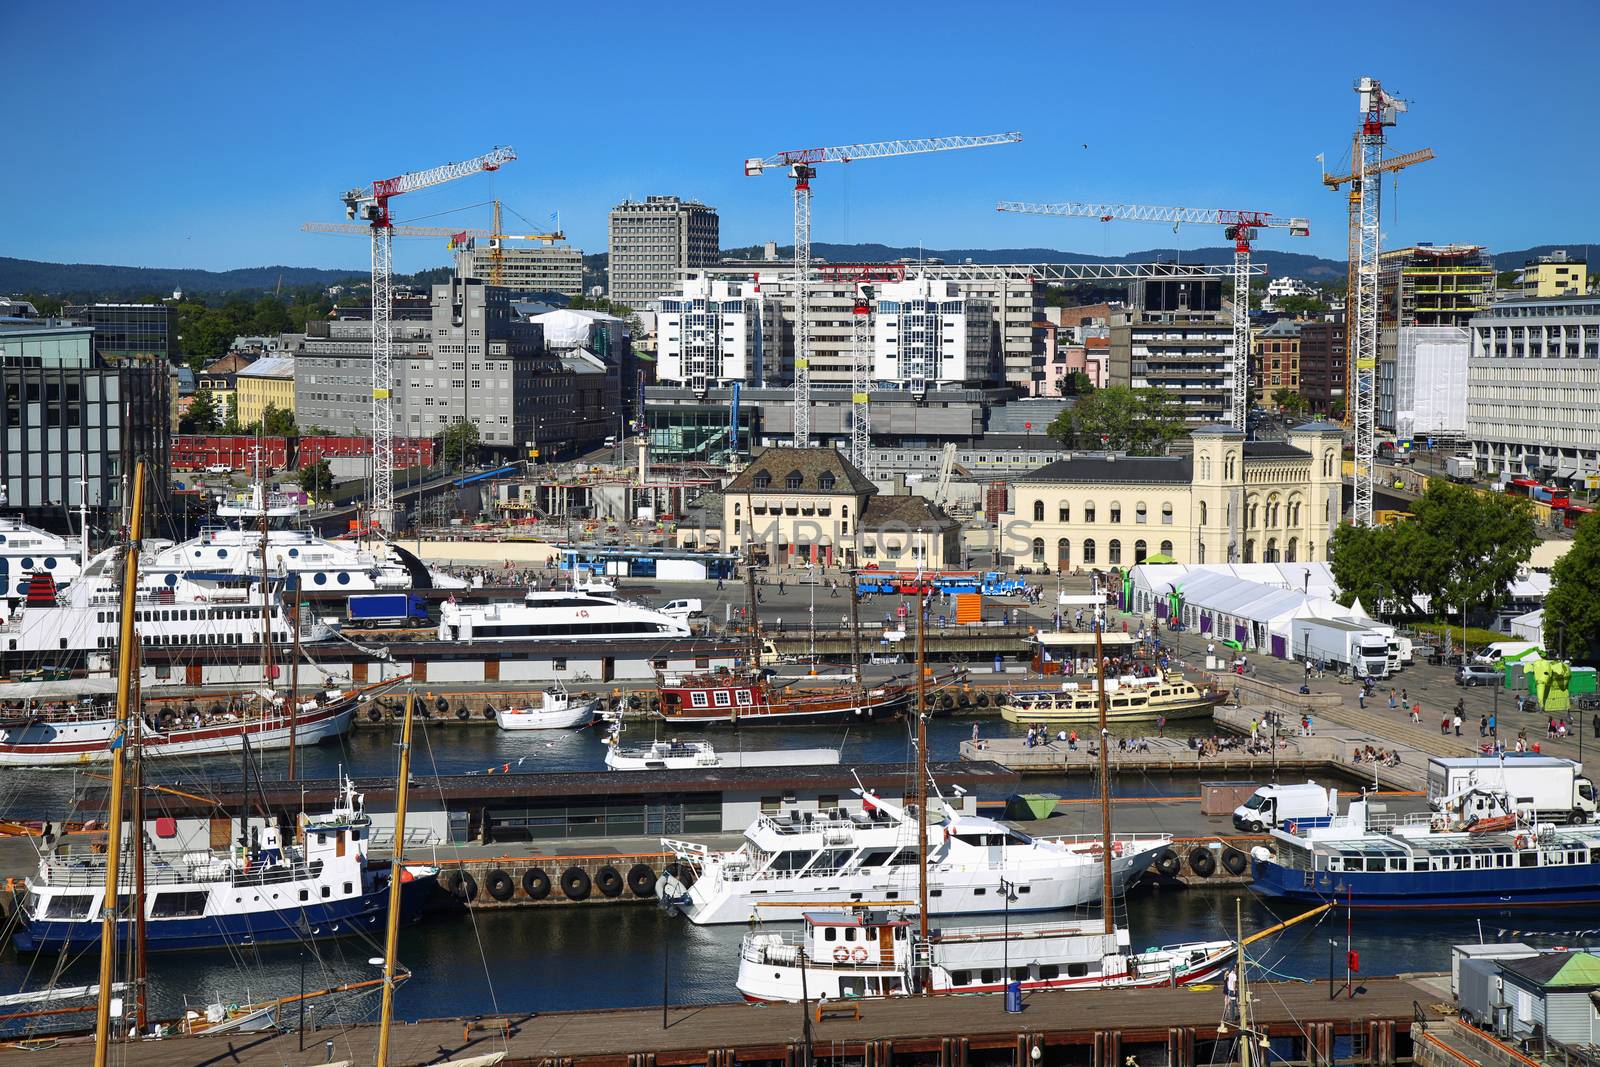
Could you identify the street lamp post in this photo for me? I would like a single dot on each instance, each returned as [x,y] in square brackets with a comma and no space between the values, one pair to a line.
[1008,891]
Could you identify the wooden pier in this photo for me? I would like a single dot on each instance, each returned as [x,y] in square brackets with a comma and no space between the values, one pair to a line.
[1173,1027]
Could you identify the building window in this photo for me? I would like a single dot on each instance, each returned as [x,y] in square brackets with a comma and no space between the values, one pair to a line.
[1249,551]
[1292,551]
[1088,512]
[1064,513]
[1139,551]
[1228,468]
[793,481]
[1140,512]
[1116,511]
[1205,468]
[1166,514]
[825,481]
[1038,511]
[1200,552]
[1038,550]
[1114,552]
[1063,553]
[1088,551]
[1272,551]
[762,480]
[1166,548]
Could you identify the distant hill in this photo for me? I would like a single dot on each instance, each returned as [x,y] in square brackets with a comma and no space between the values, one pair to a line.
[1517,260]
[35,276]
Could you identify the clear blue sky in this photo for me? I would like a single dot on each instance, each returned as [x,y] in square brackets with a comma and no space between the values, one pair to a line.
[202,135]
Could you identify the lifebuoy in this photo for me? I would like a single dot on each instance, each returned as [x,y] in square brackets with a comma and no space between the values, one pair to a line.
[1233,861]
[859,954]
[575,883]
[499,885]
[535,883]
[1202,862]
[608,881]
[1290,827]
[642,880]
[1519,842]
[841,954]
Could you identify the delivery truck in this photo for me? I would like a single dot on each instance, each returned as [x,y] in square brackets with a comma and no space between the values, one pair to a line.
[386,609]
[1275,806]
[1545,788]
[1351,646]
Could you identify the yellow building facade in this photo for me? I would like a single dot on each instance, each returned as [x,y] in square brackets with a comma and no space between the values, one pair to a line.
[1230,501]
[1553,276]
[266,382]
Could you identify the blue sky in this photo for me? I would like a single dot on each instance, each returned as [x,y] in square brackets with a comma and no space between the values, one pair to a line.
[202,135]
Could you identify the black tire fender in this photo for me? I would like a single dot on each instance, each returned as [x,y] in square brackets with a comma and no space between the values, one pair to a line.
[642,880]
[575,883]
[608,881]
[1202,862]
[441,705]
[374,714]
[462,713]
[1167,863]
[983,700]
[1234,861]
[535,883]
[499,885]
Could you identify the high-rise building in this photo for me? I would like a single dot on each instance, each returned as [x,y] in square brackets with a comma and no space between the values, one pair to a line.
[73,420]
[652,241]
[928,333]
[1323,363]
[130,331]
[1555,275]
[1425,286]
[1176,336]
[714,333]
[1532,378]
[532,269]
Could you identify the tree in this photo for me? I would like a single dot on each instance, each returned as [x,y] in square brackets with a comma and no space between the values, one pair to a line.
[202,416]
[1142,421]
[1336,409]
[1077,384]
[1301,305]
[1374,565]
[275,422]
[230,422]
[1508,279]
[460,440]
[1572,609]
[317,479]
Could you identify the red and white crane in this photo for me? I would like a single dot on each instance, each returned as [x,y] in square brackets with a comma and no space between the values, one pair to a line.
[802,167]
[1241,230]
[371,205]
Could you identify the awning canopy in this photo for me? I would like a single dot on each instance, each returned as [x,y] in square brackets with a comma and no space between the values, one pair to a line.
[1565,472]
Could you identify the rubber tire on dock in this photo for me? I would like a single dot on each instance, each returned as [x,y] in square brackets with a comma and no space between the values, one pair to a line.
[608,881]
[462,713]
[488,712]
[575,884]
[374,714]
[441,705]
[535,883]
[983,700]
[684,875]
[1167,863]
[1234,862]
[1202,862]
[642,880]
[946,702]
[460,885]
[500,885]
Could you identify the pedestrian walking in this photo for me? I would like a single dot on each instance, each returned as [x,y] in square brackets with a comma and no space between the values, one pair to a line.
[780,586]
[1519,711]
[1456,722]
[1444,724]
[1597,725]
[1493,726]
[1403,698]
[1361,698]
[1483,726]
[1392,700]
[1416,714]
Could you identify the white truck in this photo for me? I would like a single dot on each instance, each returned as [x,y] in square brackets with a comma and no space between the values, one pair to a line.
[1348,645]
[1274,806]
[1544,788]
[1460,469]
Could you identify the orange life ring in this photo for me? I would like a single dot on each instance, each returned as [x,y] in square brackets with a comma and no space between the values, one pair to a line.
[841,954]
[859,954]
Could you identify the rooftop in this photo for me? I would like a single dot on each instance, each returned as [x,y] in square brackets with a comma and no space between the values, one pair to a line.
[1114,467]
[271,367]
[1558,970]
[1273,450]
[820,470]
[904,512]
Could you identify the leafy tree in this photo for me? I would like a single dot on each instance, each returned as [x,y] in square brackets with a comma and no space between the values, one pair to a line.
[317,479]
[1079,384]
[1142,421]
[230,422]
[1301,305]
[1508,279]
[1572,609]
[1373,565]
[460,440]
[276,422]
[1286,399]
[1336,409]
[202,416]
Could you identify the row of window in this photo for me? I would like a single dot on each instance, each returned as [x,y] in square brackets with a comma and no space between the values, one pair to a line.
[1089,551]
[1140,512]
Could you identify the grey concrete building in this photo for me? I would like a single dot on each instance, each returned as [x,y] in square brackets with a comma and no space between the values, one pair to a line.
[652,241]
[1175,335]
[533,269]
[1532,378]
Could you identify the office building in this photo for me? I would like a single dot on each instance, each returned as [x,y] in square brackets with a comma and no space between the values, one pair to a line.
[597,349]
[1323,363]
[1426,285]
[712,333]
[333,370]
[265,383]
[1533,376]
[1555,275]
[1275,359]
[219,376]
[1176,336]
[532,268]
[652,241]
[130,331]
[75,421]
[927,334]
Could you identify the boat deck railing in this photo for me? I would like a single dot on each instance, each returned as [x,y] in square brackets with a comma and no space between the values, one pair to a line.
[194,868]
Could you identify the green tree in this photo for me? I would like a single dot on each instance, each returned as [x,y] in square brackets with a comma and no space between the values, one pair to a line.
[1336,409]
[275,422]
[317,479]
[1508,279]
[202,416]
[1572,609]
[1301,305]
[460,441]
[1373,565]
[1142,421]
[1079,384]
[230,421]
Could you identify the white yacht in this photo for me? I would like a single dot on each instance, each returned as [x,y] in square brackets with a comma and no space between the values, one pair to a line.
[871,855]
[27,550]
[556,616]
[552,709]
[865,952]
[673,754]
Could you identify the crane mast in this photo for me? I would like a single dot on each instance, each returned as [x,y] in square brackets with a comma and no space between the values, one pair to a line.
[1241,227]
[801,164]
[371,204]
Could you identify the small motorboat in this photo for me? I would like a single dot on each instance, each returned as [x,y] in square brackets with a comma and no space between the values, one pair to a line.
[553,709]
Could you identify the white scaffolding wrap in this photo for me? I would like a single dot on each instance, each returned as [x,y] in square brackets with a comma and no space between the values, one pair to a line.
[1431,381]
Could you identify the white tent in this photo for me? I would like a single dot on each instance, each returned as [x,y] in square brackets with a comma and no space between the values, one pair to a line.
[1529,627]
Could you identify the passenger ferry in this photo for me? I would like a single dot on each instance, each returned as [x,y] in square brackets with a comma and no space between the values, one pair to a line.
[27,550]
[872,855]
[1166,694]
[734,696]
[868,952]
[1433,860]
[556,616]
[263,892]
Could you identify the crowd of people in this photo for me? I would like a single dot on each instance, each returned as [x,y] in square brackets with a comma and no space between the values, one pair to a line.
[1383,757]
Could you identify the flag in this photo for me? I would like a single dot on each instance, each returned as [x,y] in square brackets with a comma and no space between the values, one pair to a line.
[555,222]
[116,742]
[1320,157]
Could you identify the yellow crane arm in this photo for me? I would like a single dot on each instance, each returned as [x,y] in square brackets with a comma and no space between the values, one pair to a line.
[1333,181]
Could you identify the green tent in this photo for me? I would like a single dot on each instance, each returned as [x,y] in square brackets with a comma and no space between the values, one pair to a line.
[1581,971]
[1160,557]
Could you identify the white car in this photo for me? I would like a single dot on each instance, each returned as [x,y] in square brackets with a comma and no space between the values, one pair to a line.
[219,468]
[687,608]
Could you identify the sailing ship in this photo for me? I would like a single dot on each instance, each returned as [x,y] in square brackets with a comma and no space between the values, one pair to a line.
[1166,694]
[552,709]
[748,697]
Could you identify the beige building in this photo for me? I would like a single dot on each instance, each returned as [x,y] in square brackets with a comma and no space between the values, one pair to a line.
[1230,501]
[809,504]
[532,268]
[266,381]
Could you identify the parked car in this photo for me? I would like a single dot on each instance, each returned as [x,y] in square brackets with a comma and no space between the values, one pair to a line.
[1478,674]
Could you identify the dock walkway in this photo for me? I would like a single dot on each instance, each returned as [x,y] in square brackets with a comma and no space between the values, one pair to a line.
[943,1030]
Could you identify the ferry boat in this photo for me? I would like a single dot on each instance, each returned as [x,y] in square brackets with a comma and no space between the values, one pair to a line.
[553,709]
[872,854]
[674,754]
[1166,694]
[267,892]
[556,616]
[1438,859]
[746,697]
[27,550]
[869,952]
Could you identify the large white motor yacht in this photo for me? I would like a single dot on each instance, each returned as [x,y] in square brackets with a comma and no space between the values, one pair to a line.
[556,616]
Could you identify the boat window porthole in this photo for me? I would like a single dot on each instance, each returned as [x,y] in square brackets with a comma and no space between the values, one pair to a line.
[321,578]
[222,553]
[49,563]
[27,563]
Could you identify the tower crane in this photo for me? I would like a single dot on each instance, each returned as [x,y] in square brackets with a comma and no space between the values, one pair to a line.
[1241,230]
[1379,111]
[802,167]
[862,277]
[371,204]
[1334,181]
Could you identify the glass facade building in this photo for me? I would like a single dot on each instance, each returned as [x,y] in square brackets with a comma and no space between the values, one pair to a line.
[130,331]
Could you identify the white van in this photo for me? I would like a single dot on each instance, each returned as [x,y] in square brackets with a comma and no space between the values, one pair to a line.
[687,608]
[1273,806]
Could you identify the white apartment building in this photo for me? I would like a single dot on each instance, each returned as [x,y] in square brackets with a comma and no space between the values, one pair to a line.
[713,334]
[532,269]
[653,242]
[1278,288]
[1532,377]
[927,333]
